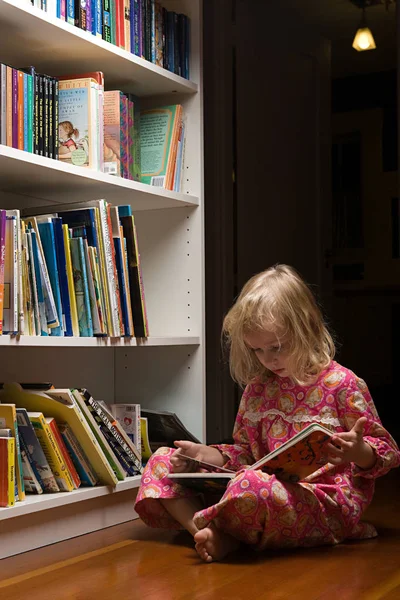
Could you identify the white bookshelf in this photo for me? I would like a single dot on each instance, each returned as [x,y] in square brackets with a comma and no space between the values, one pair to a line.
[168,369]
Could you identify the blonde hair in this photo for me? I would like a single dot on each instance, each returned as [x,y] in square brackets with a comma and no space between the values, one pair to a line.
[279,301]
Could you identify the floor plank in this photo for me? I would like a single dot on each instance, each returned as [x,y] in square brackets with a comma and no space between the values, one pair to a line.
[133,561]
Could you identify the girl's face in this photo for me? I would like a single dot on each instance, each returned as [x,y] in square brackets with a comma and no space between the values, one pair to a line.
[271,351]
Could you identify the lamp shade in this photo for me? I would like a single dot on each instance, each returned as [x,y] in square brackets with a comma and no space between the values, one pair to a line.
[364,40]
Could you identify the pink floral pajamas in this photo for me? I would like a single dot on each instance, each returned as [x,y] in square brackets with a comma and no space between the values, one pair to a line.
[257,508]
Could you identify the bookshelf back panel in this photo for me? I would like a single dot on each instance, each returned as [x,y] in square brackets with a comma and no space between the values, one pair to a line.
[166,379]
[171,261]
[92,368]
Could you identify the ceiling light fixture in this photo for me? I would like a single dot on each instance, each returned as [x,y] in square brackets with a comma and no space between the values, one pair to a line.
[364,40]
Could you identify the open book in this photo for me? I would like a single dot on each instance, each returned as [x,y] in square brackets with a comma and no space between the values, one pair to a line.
[293,461]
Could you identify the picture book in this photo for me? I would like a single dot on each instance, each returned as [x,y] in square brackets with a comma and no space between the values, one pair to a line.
[113,134]
[8,419]
[76,122]
[86,472]
[37,458]
[128,415]
[51,451]
[7,471]
[10,306]
[61,405]
[295,460]
[164,428]
[32,480]
[51,422]
[159,136]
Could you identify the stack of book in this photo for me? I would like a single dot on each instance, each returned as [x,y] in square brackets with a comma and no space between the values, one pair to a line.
[76,272]
[56,440]
[142,27]
[72,119]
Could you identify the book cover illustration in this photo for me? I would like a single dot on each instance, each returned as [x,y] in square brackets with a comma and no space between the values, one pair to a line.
[36,454]
[74,129]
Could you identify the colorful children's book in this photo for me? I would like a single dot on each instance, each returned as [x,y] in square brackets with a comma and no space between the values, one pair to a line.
[3,221]
[125,446]
[7,471]
[159,136]
[46,230]
[77,122]
[32,481]
[86,472]
[81,287]
[128,415]
[37,458]
[11,278]
[62,406]
[51,451]
[51,422]
[295,460]
[8,419]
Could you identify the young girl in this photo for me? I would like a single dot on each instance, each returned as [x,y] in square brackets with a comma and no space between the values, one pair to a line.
[282,352]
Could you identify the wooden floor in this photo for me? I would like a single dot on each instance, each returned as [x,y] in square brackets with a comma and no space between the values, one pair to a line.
[133,562]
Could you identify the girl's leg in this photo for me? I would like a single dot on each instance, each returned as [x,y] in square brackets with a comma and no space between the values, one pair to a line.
[211,543]
[183,511]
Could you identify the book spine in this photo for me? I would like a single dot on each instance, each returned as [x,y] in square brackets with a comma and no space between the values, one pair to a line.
[153,31]
[33,286]
[30,112]
[51,117]
[119,256]
[63,278]
[106,21]
[113,25]
[36,144]
[14,108]
[45,116]
[96,408]
[71,12]
[127,25]
[85,471]
[41,115]
[9,107]
[139,322]
[55,85]
[3,221]
[20,110]
[128,468]
[3,104]
[98,26]
[110,273]
[12,472]
[97,329]
[81,288]
[124,152]
[88,4]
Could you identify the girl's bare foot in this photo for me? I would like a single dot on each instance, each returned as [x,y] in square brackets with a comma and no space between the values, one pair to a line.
[213,544]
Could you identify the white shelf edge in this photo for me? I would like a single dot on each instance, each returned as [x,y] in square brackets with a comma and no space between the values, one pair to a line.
[35,503]
[92,342]
[124,57]
[96,179]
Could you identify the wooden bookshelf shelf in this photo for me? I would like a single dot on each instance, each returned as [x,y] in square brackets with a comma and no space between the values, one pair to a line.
[28,36]
[92,342]
[50,180]
[35,503]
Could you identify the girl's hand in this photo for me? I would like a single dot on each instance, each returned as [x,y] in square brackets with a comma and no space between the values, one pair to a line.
[349,446]
[196,451]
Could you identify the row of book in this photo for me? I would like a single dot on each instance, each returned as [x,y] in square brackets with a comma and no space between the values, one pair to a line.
[75,272]
[73,119]
[142,27]
[57,440]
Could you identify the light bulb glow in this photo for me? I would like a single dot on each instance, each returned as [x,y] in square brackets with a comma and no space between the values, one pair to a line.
[364,40]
